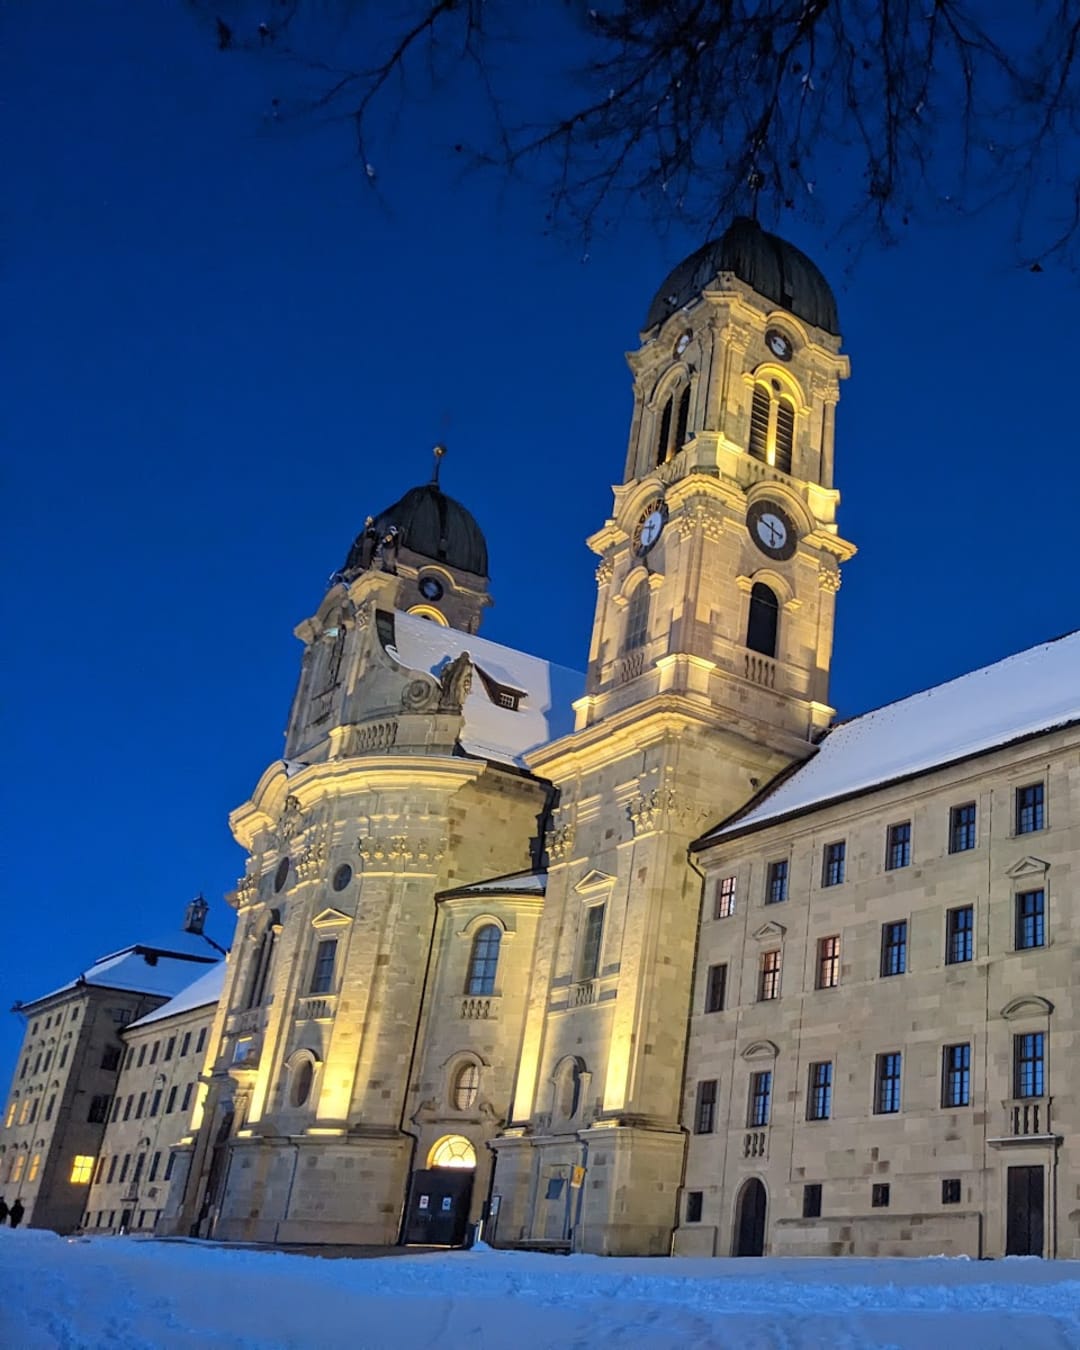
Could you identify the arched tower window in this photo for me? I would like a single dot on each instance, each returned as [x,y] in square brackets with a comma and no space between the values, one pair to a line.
[764,618]
[637,618]
[664,437]
[260,966]
[484,960]
[772,427]
[682,419]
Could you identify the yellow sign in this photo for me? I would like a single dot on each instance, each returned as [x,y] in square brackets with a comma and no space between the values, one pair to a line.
[577,1178]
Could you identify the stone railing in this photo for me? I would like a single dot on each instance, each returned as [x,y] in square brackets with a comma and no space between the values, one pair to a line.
[1027,1116]
[760,670]
[479,1007]
[756,1144]
[583,993]
[315,1007]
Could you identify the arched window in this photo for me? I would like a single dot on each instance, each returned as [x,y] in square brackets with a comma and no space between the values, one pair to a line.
[301,1080]
[466,1087]
[260,966]
[785,434]
[637,618]
[568,1090]
[760,411]
[452,1150]
[772,427]
[665,433]
[764,617]
[682,419]
[484,960]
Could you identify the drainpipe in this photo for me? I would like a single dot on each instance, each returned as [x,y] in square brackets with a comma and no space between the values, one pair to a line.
[288,1193]
[686,1049]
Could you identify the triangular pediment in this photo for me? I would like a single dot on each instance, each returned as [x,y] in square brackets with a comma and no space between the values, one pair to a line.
[770,930]
[595,880]
[330,918]
[1028,867]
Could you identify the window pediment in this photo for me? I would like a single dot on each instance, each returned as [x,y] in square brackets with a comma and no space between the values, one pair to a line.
[769,931]
[761,1050]
[330,918]
[1028,867]
[594,880]
[1027,1005]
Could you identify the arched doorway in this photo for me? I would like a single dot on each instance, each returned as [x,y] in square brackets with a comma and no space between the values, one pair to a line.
[750,1219]
[437,1210]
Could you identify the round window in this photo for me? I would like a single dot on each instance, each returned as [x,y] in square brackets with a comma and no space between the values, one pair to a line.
[303,1075]
[430,588]
[281,876]
[342,877]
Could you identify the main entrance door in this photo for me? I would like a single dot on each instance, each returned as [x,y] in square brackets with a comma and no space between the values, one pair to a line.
[1024,1222]
[750,1219]
[438,1208]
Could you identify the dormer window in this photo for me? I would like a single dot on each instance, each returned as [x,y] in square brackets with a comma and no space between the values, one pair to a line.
[502,695]
[772,427]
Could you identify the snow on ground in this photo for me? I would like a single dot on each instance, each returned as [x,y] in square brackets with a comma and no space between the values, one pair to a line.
[128,1293]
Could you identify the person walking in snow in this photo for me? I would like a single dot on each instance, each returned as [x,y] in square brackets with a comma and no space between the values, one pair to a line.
[16,1213]
[3,1211]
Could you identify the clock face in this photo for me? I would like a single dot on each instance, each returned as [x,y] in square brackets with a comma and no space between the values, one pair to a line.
[779,344]
[650,526]
[772,529]
[430,589]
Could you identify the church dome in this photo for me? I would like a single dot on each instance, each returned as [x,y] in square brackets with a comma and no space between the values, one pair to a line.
[774,268]
[434,525]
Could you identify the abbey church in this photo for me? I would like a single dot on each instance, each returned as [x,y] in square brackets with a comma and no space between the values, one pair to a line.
[652,958]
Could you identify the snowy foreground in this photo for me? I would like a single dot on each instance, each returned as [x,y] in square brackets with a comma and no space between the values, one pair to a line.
[131,1293]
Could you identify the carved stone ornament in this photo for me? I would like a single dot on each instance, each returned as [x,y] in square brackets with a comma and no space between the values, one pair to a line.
[604,572]
[291,820]
[401,850]
[309,865]
[829,579]
[247,887]
[455,683]
[559,842]
[701,518]
[419,695]
[646,810]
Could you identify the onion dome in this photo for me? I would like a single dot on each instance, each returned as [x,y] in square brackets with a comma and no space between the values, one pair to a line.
[431,524]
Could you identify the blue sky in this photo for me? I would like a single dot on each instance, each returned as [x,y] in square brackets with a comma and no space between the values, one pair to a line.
[221,353]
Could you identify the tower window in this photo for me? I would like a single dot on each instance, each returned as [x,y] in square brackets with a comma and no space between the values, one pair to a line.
[682,419]
[760,411]
[772,427]
[761,629]
[637,618]
[591,942]
[484,960]
[664,437]
[785,435]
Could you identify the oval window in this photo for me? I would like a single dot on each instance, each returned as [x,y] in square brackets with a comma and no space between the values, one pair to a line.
[281,876]
[302,1078]
[342,877]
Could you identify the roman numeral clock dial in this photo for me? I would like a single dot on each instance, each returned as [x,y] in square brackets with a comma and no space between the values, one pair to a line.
[772,530]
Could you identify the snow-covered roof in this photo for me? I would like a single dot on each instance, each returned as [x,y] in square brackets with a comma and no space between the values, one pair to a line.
[201,992]
[518,883]
[1033,691]
[490,731]
[137,969]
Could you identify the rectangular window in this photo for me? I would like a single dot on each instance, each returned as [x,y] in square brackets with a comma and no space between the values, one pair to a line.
[82,1168]
[959,935]
[201,1041]
[124,1168]
[98,1112]
[116,1110]
[760,1098]
[169,1167]
[1030,919]
[950,1191]
[705,1111]
[63,1057]
[887,1084]
[769,976]
[185,1044]
[155,1102]
[112,1167]
[956,1075]
[694,1201]
[35,1164]
[962,828]
[49,1107]
[129,1056]
[322,974]
[12,1108]
[99,1169]
[154,1052]
[170,1045]
[894,947]
[819,1092]
[110,1058]
[776,879]
[188,1090]
[715,989]
[141,1106]
[142,1056]
[136,1176]
[724,903]
[170,1100]
[879,1195]
[1029,808]
[591,942]
[1029,1064]
[17,1168]
[811,1200]
[832,866]
[34,1110]
[828,962]
[898,846]
[155,1163]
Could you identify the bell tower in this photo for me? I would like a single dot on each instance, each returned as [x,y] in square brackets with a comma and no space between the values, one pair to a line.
[707,676]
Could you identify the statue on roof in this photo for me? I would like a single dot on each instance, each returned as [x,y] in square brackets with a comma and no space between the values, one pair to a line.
[455,683]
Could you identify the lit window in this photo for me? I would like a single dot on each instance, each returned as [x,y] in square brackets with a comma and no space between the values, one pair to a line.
[832,869]
[82,1168]
[769,976]
[12,1108]
[772,428]
[453,1151]
[962,828]
[828,962]
[35,1163]
[1030,919]
[484,960]
[725,898]
[960,935]
[898,846]
[466,1087]
[1029,808]
[887,1084]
